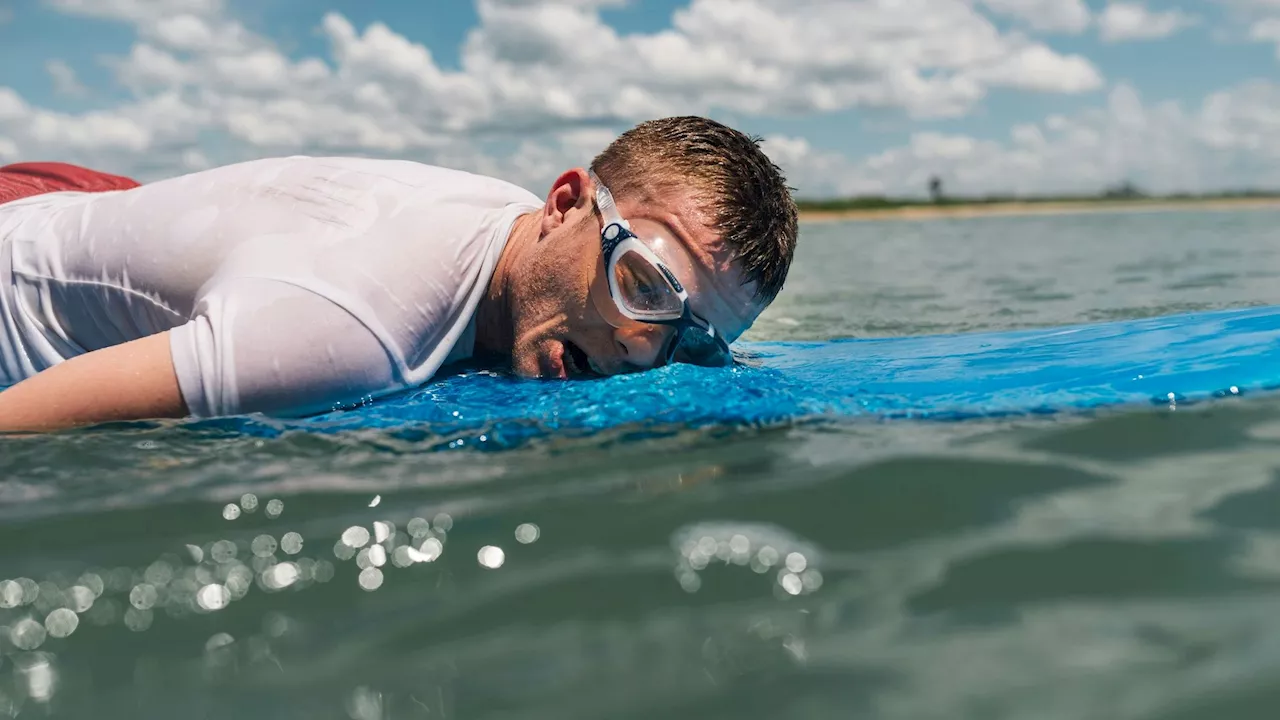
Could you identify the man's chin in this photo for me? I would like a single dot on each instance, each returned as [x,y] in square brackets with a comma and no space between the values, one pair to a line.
[542,363]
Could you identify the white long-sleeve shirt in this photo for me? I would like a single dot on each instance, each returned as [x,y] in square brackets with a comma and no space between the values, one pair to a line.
[290,285]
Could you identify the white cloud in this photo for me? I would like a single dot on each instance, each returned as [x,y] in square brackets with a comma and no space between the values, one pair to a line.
[1069,16]
[136,10]
[1267,30]
[1035,67]
[12,106]
[1232,140]
[194,33]
[65,81]
[1123,21]
[529,78]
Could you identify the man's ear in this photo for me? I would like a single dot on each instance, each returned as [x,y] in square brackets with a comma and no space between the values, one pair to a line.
[569,192]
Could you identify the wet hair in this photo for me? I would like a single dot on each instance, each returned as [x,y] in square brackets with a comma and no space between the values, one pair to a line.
[743,193]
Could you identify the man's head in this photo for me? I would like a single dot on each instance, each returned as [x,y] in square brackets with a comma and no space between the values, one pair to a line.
[702,200]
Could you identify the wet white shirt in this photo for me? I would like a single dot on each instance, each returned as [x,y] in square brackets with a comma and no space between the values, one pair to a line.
[290,285]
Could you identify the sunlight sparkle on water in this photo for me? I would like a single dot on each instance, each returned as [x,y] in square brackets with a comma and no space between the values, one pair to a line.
[527,533]
[263,546]
[281,576]
[491,557]
[138,620]
[38,675]
[430,549]
[355,536]
[370,579]
[61,622]
[10,594]
[79,598]
[213,597]
[27,634]
[143,596]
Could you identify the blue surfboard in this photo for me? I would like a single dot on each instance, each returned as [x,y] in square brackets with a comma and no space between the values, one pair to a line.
[1175,359]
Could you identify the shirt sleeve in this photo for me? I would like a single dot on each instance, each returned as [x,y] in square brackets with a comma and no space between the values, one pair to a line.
[265,346]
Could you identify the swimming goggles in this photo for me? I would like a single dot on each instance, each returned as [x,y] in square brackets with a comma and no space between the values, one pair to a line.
[644,289]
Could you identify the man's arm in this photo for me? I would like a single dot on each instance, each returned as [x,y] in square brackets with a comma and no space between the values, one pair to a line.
[132,381]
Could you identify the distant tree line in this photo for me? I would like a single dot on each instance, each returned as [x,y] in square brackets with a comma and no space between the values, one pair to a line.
[1121,192]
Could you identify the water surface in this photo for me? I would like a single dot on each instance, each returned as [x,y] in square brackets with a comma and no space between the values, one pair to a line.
[1119,564]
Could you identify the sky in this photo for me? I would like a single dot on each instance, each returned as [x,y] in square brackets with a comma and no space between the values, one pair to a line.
[850,97]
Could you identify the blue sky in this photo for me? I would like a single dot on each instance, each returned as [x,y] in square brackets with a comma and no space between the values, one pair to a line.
[866,95]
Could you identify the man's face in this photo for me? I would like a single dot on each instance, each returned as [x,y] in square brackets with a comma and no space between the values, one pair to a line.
[565,324]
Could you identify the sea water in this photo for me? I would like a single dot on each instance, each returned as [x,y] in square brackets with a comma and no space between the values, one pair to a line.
[1119,564]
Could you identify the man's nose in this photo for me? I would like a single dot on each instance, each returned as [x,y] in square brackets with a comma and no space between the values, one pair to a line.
[644,346]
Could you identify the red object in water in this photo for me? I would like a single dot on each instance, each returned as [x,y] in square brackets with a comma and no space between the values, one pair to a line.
[26,179]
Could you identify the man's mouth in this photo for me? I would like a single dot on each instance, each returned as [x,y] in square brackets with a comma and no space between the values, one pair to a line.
[576,362]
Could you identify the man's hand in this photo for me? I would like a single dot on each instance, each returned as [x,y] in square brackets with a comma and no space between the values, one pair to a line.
[132,381]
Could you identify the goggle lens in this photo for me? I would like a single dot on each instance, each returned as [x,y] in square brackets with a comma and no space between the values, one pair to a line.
[644,289]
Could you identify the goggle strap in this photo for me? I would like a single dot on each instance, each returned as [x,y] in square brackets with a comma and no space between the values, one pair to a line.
[604,198]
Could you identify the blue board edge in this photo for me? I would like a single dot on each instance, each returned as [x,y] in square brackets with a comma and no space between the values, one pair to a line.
[1183,358]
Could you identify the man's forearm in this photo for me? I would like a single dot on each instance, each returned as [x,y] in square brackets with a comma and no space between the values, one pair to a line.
[132,381]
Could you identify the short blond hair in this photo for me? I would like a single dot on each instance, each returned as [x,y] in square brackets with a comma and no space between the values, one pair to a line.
[747,198]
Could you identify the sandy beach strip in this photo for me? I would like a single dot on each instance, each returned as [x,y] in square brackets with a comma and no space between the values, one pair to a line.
[1013,209]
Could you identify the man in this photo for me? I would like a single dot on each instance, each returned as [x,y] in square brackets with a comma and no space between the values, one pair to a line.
[291,286]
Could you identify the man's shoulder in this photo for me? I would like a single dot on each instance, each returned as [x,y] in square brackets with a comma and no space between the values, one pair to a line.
[411,174]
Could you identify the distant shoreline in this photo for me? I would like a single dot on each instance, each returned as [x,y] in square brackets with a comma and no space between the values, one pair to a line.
[1014,208]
